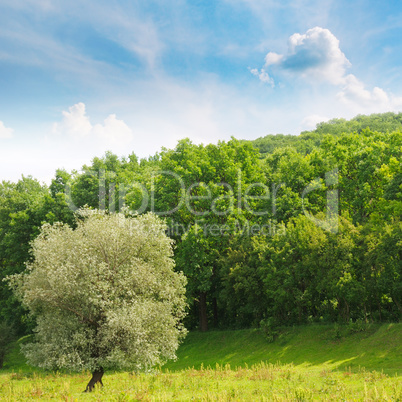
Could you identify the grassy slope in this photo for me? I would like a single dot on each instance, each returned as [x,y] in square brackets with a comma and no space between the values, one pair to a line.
[320,370]
[378,348]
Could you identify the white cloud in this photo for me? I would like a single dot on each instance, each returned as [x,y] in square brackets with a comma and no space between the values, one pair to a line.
[75,122]
[263,76]
[76,125]
[273,58]
[314,55]
[113,131]
[310,122]
[317,57]
[354,90]
[355,94]
[5,132]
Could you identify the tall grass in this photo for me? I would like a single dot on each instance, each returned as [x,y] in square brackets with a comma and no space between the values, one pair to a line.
[260,382]
[303,363]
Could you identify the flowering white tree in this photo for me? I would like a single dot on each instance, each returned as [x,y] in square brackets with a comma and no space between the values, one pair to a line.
[105,295]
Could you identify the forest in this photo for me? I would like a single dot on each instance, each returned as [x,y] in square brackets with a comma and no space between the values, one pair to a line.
[282,230]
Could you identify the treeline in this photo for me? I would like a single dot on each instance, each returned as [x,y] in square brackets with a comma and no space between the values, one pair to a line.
[308,140]
[282,230]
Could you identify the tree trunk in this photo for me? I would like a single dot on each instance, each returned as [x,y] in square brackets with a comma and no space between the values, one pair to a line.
[397,304]
[215,310]
[96,378]
[365,313]
[203,312]
[347,311]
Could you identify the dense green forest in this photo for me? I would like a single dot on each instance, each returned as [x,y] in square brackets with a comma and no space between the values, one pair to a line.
[282,230]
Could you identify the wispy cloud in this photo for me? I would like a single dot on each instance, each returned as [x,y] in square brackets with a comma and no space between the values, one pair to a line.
[33,48]
[56,44]
[295,12]
[126,26]
[43,5]
[263,76]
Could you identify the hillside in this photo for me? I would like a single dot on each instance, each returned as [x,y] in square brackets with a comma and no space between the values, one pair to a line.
[373,347]
[308,140]
[379,348]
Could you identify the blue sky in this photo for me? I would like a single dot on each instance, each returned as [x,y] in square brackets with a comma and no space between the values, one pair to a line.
[79,78]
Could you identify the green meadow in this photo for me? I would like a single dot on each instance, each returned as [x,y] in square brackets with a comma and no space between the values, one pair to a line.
[317,362]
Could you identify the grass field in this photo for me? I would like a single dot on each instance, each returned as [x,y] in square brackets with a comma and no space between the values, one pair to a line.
[303,363]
